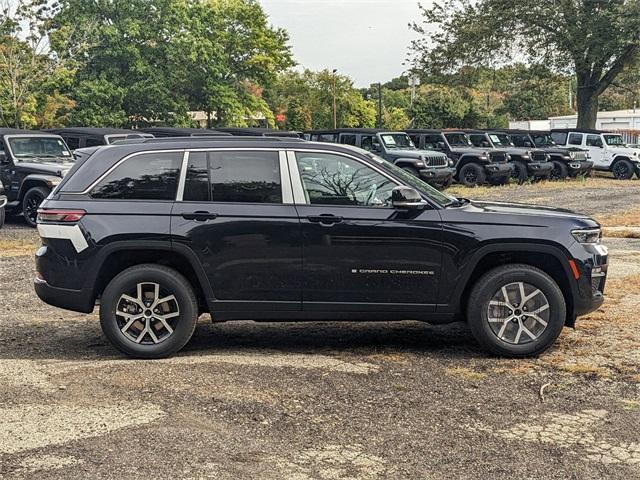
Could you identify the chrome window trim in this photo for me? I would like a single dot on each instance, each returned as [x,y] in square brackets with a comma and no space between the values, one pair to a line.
[300,198]
[183,177]
[285,179]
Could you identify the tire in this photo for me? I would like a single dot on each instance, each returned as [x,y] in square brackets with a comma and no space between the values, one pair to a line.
[520,173]
[30,203]
[471,175]
[560,170]
[489,289]
[622,170]
[181,315]
[2,217]
[412,171]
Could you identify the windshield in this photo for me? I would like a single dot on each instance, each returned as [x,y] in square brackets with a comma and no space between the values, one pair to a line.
[615,140]
[501,139]
[543,140]
[458,140]
[396,140]
[40,149]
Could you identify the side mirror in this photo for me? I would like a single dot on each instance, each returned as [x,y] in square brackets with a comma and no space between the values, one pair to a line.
[406,197]
[376,147]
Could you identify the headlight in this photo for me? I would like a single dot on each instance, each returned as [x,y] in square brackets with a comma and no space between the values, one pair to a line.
[587,236]
[451,163]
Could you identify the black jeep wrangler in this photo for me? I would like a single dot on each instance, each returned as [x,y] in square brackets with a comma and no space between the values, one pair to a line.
[85,137]
[567,162]
[31,165]
[3,203]
[474,166]
[160,233]
[396,147]
[526,162]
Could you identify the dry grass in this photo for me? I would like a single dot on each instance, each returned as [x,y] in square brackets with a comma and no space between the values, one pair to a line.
[465,374]
[621,232]
[388,357]
[17,248]
[630,218]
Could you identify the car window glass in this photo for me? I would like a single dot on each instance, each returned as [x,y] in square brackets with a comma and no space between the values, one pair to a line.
[415,139]
[431,141]
[594,141]
[575,139]
[348,139]
[245,177]
[335,180]
[94,142]
[477,140]
[72,142]
[367,142]
[196,187]
[150,176]
[328,137]
[559,137]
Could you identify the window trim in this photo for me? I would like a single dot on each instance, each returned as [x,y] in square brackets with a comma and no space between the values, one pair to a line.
[298,186]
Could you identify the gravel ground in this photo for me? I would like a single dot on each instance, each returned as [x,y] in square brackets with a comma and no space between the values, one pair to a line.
[324,400]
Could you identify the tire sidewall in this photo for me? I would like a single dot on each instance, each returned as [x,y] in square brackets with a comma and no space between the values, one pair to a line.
[480,178]
[174,283]
[561,168]
[520,171]
[41,192]
[629,170]
[489,284]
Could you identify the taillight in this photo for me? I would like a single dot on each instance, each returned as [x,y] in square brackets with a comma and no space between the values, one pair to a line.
[66,216]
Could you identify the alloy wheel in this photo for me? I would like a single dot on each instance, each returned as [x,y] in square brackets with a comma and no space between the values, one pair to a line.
[31,205]
[147,316]
[518,313]
[621,170]
[471,177]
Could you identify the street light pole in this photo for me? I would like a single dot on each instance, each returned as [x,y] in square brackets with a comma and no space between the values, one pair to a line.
[335,113]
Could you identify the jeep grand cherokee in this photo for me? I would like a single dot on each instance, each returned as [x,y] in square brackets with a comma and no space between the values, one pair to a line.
[159,233]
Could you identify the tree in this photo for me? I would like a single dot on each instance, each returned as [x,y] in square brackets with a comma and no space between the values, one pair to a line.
[439,107]
[594,39]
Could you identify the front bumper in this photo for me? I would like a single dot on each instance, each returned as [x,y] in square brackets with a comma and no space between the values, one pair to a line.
[437,175]
[498,170]
[591,262]
[539,169]
[579,167]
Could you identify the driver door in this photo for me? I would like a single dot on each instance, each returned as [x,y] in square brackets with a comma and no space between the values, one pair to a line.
[359,253]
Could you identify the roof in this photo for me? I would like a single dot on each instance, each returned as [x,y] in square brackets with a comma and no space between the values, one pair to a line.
[93,131]
[610,114]
[266,132]
[578,130]
[434,130]
[181,132]
[17,131]
[204,138]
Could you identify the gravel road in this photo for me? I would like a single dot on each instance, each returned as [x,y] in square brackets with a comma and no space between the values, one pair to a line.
[324,400]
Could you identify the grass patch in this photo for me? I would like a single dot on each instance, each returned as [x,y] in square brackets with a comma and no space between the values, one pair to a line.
[620,232]
[629,218]
[465,374]
[17,248]
[630,404]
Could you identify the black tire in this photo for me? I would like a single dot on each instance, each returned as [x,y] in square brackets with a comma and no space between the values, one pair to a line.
[489,285]
[170,283]
[30,203]
[560,170]
[622,170]
[471,175]
[412,171]
[520,173]
[2,217]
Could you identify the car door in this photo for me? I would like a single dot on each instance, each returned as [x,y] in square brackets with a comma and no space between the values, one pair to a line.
[359,253]
[236,214]
[596,148]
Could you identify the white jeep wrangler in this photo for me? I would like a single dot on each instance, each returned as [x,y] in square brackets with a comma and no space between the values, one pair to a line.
[607,150]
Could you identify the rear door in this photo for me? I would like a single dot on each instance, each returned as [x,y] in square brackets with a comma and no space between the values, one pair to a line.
[236,214]
[595,146]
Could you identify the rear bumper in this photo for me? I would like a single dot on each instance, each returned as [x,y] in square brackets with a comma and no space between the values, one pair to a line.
[539,169]
[75,300]
[498,170]
[437,175]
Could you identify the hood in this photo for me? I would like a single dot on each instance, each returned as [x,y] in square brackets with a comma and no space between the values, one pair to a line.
[45,168]
[474,150]
[536,213]
[414,153]
[632,152]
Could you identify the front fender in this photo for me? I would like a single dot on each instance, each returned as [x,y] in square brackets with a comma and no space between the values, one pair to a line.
[37,179]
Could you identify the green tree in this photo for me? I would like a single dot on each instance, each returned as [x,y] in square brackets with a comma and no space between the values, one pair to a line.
[594,39]
[439,106]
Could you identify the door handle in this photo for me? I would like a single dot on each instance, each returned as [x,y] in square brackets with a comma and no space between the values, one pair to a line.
[325,219]
[200,216]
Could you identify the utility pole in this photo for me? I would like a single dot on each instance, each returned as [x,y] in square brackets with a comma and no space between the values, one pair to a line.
[379,105]
[335,112]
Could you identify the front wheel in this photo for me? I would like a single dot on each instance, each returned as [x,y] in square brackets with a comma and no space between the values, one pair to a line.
[148,311]
[516,311]
[31,202]
[560,171]
[471,175]
[520,173]
[622,170]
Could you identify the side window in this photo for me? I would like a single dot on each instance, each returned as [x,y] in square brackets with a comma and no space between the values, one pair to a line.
[328,137]
[431,141]
[559,137]
[330,179]
[348,139]
[521,141]
[72,142]
[196,186]
[477,140]
[416,140]
[93,142]
[150,176]
[245,177]
[594,141]
[367,142]
[575,139]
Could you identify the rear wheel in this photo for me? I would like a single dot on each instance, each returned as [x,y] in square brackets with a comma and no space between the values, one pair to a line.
[560,171]
[520,173]
[516,311]
[622,170]
[471,175]
[148,311]
[31,202]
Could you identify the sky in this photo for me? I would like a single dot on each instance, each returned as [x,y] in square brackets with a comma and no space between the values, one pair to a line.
[367,40]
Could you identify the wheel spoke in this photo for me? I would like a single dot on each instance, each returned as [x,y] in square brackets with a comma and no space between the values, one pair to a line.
[142,334]
[129,299]
[505,294]
[517,339]
[502,329]
[153,335]
[523,297]
[538,319]
[164,300]
[531,295]
[539,310]
[130,322]
[165,324]
[497,303]
[526,330]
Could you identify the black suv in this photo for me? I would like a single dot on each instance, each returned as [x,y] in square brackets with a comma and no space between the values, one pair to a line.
[84,137]
[160,233]
[31,165]
[433,167]
[3,203]
[567,162]
[526,162]
[474,166]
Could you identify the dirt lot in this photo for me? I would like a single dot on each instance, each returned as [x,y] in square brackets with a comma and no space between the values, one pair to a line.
[327,400]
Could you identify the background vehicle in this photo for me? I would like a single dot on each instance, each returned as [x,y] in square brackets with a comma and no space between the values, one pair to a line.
[396,147]
[607,150]
[291,230]
[567,162]
[81,137]
[474,166]
[526,162]
[259,132]
[182,132]
[31,165]
[3,202]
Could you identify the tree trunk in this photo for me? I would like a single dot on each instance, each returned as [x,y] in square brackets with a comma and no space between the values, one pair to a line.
[587,101]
